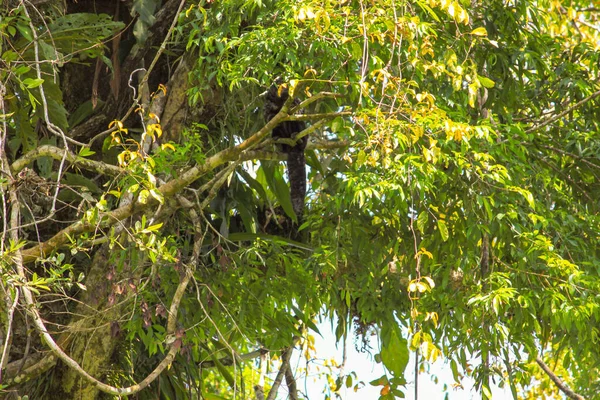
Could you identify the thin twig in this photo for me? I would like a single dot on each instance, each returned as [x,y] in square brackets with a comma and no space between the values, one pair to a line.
[562,114]
[7,339]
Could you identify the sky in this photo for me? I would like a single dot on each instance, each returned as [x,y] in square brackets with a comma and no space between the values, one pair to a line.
[367,370]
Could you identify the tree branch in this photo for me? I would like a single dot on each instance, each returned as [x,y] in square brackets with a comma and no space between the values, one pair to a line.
[316,97]
[167,190]
[58,154]
[174,342]
[310,117]
[227,361]
[328,145]
[562,114]
[290,381]
[12,305]
[285,362]
[557,381]
[32,309]
[20,371]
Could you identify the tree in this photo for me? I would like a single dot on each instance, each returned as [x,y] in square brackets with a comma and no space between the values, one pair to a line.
[149,243]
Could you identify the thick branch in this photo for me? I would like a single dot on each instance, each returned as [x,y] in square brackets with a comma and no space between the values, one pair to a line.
[174,344]
[290,381]
[316,97]
[58,154]
[33,311]
[285,362]
[167,190]
[279,156]
[24,370]
[263,155]
[557,381]
[328,145]
[310,117]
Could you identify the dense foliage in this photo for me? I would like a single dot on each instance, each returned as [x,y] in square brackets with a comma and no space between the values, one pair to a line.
[148,235]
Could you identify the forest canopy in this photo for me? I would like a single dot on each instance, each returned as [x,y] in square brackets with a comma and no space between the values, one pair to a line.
[152,241]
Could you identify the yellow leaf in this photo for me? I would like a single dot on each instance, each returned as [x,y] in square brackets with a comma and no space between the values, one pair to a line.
[162,88]
[143,196]
[322,21]
[310,72]
[154,129]
[116,122]
[463,16]
[486,82]
[429,281]
[121,159]
[479,31]
[293,84]
[451,10]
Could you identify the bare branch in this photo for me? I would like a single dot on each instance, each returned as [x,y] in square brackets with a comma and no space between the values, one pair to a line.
[58,154]
[310,117]
[259,392]
[314,98]
[167,190]
[22,370]
[285,362]
[259,388]
[278,156]
[290,381]
[12,304]
[562,114]
[174,343]
[557,381]
[227,361]
[328,145]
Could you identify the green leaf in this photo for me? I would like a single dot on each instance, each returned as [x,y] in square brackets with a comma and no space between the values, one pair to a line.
[253,183]
[422,220]
[429,10]
[306,320]
[443,229]
[247,236]
[85,152]
[26,31]
[212,396]
[83,112]
[31,83]
[279,187]
[454,369]
[381,381]
[486,82]
[394,354]
[224,371]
